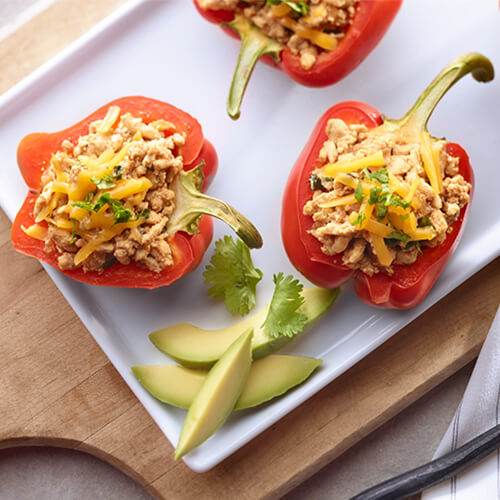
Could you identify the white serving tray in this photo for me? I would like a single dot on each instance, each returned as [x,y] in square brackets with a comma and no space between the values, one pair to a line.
[165,50]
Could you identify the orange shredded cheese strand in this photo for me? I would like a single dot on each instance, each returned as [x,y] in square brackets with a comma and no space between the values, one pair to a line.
[323,40]
[36,231]
[280,10]
[109,120]
[383,254]
[344,200]
[347,166]
[428,159]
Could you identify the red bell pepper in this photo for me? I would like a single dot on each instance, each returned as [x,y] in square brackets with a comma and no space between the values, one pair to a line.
[409,284]
[190,234]
[371,21]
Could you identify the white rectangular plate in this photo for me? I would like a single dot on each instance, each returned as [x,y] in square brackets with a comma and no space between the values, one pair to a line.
[165,50]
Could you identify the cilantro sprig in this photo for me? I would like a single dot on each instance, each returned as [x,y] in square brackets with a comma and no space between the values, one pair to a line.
[233,276]
[283,318]
[300,7]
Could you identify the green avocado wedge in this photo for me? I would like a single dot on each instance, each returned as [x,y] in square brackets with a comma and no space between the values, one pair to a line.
[269,377]
[217,395]
[197,348]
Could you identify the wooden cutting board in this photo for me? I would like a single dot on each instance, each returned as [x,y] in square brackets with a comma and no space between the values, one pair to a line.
[58,388]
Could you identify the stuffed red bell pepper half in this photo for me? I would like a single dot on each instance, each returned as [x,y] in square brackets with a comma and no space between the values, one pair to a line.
[117,199]
[380,200]
[315,42]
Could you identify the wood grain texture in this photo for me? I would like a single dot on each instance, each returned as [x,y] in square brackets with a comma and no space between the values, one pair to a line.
[58,388]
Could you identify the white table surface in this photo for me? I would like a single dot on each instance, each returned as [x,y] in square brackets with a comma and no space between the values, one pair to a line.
[406,441]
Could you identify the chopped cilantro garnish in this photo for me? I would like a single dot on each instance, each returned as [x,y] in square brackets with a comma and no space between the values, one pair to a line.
[283,318]
[105,182]
[374,195]
[358,193]
[425,221]
[395,201]
[233,276]
[120,213]
[398,235]
[404,216]
[83,204]
[90,197]
[74,234]
[300,7]
[118,172]
[358,220]
[381,175]
[144,213]
[381,212]
[315,183]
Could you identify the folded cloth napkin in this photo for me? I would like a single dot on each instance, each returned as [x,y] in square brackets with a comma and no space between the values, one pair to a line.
[478,411]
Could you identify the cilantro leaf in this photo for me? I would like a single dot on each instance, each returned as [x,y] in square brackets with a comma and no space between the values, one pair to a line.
[425,221]
[315,183]
[283,319]
[144,213]
[89,197]
[358,193]
[300,7]
[233,276]
[118,172]
[399,235]
[83,204]
[381,175]
[74,234]
[381,211]
[105,182]
[358,221]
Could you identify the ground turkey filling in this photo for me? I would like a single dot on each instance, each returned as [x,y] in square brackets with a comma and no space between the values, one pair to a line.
[334,226]
[328,16]
[151,158]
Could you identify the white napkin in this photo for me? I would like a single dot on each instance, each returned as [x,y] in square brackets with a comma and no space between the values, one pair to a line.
[478,411]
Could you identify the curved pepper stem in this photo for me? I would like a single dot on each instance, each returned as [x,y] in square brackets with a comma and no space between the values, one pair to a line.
[191,204]
[417,117]
[254,44]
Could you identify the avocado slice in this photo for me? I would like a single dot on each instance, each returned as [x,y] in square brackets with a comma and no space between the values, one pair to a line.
[269,377]
[197,348]
[217,395]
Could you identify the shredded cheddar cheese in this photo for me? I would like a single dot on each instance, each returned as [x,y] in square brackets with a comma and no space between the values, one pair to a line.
[374,160]
[323,40]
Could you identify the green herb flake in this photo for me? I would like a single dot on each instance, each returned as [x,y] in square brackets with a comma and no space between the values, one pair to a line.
[118,172]
[381,175]
[381,212]
[358,193]
[315,183]
[233,276]
[74,234]
[105,182]
[425,221]
[358,221]
[399,235]
[299,7]
[283,318]
[144,214]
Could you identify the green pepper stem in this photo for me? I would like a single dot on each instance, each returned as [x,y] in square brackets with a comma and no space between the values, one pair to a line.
[190,204]
[417,117]
[254,44]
